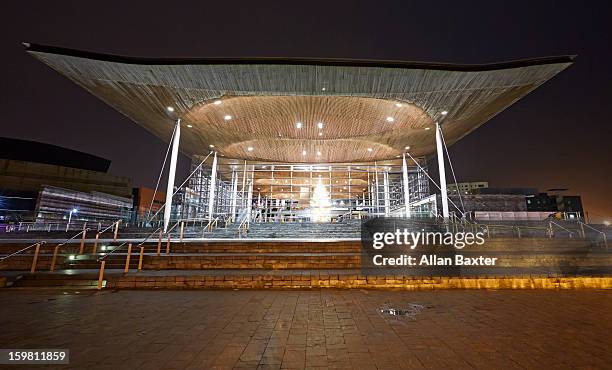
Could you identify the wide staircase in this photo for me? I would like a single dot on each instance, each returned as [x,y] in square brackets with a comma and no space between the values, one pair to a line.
[296,255]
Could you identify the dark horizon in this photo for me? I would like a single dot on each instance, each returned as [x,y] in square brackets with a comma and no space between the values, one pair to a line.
[557,137]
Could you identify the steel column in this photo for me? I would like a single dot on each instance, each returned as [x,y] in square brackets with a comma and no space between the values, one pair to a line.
[406,188]
[442,171]
[172,175]
[213,186]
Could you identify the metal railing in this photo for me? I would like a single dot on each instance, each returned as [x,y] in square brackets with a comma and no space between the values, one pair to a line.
[603,234]
[243,227]
[40,243]
[31,226]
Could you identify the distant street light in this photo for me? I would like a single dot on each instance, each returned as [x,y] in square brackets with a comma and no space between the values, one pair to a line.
[74,210]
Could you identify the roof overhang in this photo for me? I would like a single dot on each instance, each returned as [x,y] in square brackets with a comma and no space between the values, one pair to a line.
[370,110]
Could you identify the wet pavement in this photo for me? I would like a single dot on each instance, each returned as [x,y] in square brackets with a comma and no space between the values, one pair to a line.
[351,329]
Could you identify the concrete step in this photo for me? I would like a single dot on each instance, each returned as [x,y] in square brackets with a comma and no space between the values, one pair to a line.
[309,279]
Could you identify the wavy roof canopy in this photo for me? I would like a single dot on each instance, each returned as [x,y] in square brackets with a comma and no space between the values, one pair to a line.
[368,110]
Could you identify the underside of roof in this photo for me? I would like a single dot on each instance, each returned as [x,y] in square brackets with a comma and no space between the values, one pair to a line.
[302,110]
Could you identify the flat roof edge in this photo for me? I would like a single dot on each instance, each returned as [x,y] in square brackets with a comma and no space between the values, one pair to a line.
[39,48]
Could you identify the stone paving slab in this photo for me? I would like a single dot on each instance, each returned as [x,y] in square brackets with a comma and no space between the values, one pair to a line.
[322,329]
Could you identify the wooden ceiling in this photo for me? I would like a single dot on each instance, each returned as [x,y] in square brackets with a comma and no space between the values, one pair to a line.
[267,97]
[305,129]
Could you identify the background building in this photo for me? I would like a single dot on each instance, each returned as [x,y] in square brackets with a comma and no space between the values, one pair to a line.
[44,182]
[466,187]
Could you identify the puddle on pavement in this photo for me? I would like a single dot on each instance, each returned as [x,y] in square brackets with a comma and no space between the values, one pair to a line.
[410,311]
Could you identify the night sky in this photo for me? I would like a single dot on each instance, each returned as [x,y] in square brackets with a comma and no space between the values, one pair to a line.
[559,136]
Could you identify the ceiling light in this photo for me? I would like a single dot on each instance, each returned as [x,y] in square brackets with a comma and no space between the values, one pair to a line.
[398,105]
[320,125]
[298,125]
[212,146]
[303,152]
[323,89]
[320,134]
[250,149]
[227,117]
[427,128]
[170,109]
[390,119]
[369,149]
[190,126]
[407,148]
[444,113]
[263,166]
[217,102]
[318,153]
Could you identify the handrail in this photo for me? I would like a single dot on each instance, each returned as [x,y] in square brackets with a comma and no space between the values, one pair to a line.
[23,249]
[603,234]
[210,223]
[74,236]
[561,227]
[174,226]
[148,236]
[42,242]
[243,225]
[112,251]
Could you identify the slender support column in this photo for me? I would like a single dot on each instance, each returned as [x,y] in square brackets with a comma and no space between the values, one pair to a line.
[172,175]
[101,275]
[291,196]
[35,259]
[386,193]
[349,188]
[331,197]
[212,187]
[250,201]
[244,174]
[406,188]
[127,259]
[376,186]
[140,258]
[369,187]
[55,251]
[441,170]
[234,196]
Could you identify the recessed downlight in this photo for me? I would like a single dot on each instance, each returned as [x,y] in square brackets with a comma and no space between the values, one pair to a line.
[369,149]
[170,109]
[217,102]
[444,113]
[298,125]
[320,125]
[427,128]
[190,126]
[303,152]
[399,105]
[390,119]
[250,149]
[227,117]
[318,153]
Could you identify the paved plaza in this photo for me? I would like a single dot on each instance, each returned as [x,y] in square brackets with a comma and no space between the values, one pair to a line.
[317,329]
